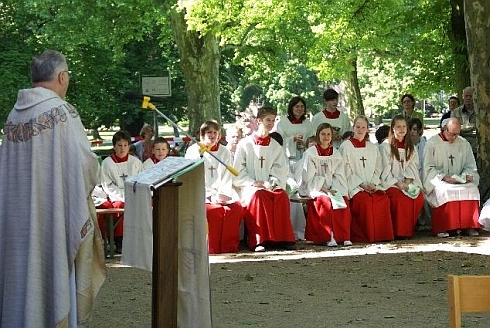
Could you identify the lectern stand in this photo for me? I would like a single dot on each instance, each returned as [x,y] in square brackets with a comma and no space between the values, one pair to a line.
[170,240]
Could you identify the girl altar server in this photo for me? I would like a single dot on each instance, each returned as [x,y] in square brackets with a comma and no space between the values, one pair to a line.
[369,204]
[400,178]
[323,179]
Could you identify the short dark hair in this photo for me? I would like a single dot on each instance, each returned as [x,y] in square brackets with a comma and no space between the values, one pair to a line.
[45,66]
[277,137]
[408,95]
[121,135]
[382,133]
[330,94]
[211,124]
[455,98]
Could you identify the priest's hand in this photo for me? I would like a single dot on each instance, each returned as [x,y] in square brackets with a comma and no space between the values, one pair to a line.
[469,178]
[449,179]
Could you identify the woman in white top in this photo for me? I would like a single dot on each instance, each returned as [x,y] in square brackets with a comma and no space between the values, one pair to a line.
[294,129]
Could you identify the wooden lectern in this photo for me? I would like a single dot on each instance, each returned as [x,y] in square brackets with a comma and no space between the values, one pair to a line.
[169,238]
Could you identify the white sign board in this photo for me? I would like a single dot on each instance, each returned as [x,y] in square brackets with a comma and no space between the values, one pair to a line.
[156,86]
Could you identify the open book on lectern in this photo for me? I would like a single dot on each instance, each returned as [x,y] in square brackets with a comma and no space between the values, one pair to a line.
[193,258]
[138,214]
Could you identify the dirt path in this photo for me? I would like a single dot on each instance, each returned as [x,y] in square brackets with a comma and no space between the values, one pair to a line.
[398,284]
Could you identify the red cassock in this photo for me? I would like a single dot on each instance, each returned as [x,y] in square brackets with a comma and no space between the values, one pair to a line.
[224,227]
[267,218]
[119,228]
[461,214]
[404,212]
[371,217]
[322,219]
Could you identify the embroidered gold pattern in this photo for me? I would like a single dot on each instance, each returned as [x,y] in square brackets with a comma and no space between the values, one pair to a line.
[23,131]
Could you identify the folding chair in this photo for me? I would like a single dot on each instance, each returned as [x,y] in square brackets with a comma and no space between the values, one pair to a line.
[467,294]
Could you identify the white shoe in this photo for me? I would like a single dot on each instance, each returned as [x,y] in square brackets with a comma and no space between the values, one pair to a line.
[259,248]
[347,243]
[443,235]
[473,233]
[332,243]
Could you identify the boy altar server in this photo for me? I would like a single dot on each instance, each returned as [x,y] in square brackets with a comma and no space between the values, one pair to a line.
[261,181]
[223,210]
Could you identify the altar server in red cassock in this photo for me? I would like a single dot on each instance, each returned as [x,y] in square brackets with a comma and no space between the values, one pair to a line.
[369,204]
[223,210]
[113,172]
[261,181]
[451,182]
[401,179]
[323,179]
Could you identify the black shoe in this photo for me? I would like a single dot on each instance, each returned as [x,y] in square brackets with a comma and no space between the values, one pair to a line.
[289,246]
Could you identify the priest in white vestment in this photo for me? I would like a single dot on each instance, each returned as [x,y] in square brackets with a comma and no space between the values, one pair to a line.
[451,182]
[51,254]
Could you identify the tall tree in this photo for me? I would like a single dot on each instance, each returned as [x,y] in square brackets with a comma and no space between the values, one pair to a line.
[477,18]
[199,59]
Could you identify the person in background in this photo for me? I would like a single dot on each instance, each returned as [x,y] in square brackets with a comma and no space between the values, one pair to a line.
[144,147]
[400,178]
[369,204]
[224,212]
[467,116]
[419,141]
[408,104]
[328,216]
[160,151]
[261,182]
[453,103]
[382,133]
[233,135]
[331,114]
[451,182]
[51,254]
[294,129]
[114,171]
[298,219]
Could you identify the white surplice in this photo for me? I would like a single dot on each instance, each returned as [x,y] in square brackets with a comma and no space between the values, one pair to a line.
[443,158]
[398,170]
[288,130]
[322,171]
[342,122]
[113,175]
[363,165]
[258,163]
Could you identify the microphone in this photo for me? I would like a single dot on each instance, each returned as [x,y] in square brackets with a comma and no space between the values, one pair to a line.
[131,95]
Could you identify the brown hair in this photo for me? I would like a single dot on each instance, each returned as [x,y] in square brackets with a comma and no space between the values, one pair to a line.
[408,144]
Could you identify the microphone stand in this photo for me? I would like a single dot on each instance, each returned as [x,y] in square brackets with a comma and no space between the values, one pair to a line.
[146,104]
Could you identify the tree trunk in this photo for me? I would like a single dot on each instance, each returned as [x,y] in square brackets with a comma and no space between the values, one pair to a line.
[457,36]
[477,17]
[199,58]
[354,92]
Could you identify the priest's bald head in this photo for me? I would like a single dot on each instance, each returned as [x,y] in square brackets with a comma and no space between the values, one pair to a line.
[452,129]
[50,70]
